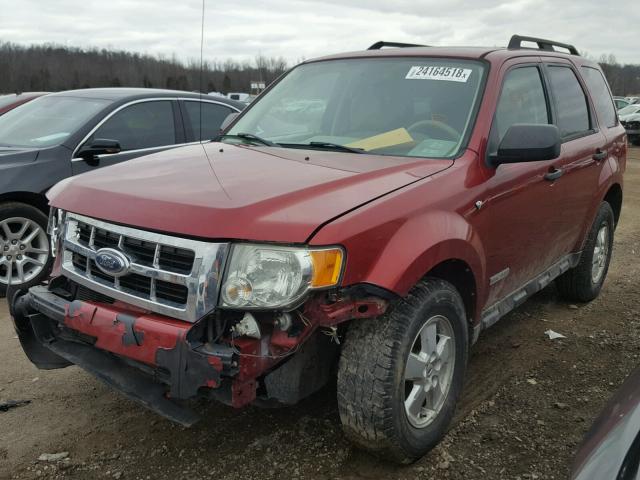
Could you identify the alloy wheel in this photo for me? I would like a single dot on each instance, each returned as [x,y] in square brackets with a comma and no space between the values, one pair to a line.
[429,371]
[600,254]
[24,250]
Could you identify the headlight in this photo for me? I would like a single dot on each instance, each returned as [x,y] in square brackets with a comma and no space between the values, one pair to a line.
[266,276]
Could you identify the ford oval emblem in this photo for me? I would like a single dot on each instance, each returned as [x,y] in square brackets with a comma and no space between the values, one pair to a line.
[112,262]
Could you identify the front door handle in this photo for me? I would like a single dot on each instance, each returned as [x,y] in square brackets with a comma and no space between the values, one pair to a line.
[554,174]
[599,155]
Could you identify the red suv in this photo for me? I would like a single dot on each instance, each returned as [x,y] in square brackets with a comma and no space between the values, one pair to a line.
[371,213]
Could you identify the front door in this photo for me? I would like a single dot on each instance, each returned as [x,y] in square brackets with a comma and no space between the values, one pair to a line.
[523,200]
[140,128]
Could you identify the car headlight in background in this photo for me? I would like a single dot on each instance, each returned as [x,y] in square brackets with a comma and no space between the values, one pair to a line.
[271,276]
[54,227]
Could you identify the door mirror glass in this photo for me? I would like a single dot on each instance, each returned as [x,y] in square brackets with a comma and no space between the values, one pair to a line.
[528,143]
[99,146]
[228,121]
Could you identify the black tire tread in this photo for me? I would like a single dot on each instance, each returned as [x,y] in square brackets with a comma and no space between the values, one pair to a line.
[576,284]
[366,371]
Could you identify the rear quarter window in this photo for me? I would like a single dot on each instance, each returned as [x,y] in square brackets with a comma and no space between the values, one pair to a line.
[601,96]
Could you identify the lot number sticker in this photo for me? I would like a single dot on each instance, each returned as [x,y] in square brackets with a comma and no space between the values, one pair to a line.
[450,74]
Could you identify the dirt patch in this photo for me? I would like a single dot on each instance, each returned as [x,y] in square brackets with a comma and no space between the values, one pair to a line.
[527,403]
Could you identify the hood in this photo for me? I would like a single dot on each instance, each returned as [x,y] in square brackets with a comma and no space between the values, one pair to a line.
[633,117]
[612,435]
[221,191]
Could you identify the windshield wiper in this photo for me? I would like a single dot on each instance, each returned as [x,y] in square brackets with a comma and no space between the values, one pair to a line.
[324,146]
[248,136]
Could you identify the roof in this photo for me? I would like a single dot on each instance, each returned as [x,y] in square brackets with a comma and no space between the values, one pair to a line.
[473,53]
[461,52]
[118,94]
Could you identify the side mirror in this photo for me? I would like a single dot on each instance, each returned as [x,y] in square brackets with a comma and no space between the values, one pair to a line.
[528,143]
[228,121]
[99,146]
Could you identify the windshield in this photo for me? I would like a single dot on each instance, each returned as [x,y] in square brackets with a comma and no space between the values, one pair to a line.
[46,121]
[628,110]
[415,107]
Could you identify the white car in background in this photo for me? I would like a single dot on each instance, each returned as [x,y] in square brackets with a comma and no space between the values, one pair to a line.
[630,120]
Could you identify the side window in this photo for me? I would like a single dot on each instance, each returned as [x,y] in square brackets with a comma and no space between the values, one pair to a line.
[212,117]
[601,96]
[142,125]
[571,103]
[522,100]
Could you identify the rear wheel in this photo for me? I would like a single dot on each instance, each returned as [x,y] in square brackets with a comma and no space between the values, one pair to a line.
[400,375]
[24,246]
[584,282]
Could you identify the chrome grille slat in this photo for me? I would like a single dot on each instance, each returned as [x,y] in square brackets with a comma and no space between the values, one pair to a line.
[167,274]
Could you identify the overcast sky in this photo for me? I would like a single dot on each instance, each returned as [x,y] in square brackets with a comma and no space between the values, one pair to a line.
[304,29]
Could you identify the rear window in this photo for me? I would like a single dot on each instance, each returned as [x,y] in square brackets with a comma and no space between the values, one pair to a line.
[571,103]
[600,95]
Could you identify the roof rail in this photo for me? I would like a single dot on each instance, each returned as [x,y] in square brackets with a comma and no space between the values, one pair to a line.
[379,45]
[516,44]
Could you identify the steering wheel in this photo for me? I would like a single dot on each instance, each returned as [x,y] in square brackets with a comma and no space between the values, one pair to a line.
[450,132]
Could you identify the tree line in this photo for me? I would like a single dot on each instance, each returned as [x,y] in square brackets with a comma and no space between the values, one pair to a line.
[623,79]
[53,68]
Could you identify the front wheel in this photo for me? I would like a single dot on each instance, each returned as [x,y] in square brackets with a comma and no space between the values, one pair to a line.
[584,282]
[24,246]
[400,375]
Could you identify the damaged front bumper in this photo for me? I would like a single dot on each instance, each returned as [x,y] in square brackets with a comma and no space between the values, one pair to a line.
[149,358]
[159,361]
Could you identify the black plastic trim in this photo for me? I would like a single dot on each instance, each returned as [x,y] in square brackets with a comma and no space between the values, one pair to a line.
[499,309]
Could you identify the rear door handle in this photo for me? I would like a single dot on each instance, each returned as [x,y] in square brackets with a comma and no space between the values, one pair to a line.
[599,155]
[554,174]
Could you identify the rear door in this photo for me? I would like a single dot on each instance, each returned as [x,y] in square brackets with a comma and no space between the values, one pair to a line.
[141,127]
[584,150]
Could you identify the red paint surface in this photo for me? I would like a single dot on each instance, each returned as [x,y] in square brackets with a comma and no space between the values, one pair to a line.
[100,321]
[20,99]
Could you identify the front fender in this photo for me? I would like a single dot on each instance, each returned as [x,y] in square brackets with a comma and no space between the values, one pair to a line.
[396,254]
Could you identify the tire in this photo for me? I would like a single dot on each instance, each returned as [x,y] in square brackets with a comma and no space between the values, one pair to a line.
[581,284]
[27,254]
[372,387]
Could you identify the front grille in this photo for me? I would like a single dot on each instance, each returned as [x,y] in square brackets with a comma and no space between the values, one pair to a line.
[166,274]
[171,259]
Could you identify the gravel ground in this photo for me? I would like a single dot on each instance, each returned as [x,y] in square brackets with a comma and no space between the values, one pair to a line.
[527,404]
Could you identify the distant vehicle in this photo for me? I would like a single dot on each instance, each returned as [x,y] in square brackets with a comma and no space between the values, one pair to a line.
[630,120]
[632,100]
[610,450]
[13,100]
[67,133]
[621,103]
[241,97]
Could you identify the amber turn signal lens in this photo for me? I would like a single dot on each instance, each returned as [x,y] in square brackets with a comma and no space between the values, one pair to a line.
[327,265]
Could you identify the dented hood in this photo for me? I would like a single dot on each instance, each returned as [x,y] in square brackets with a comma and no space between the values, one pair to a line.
[221,191]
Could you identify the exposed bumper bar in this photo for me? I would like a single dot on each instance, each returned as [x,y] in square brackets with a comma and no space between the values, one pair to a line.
[146,357]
